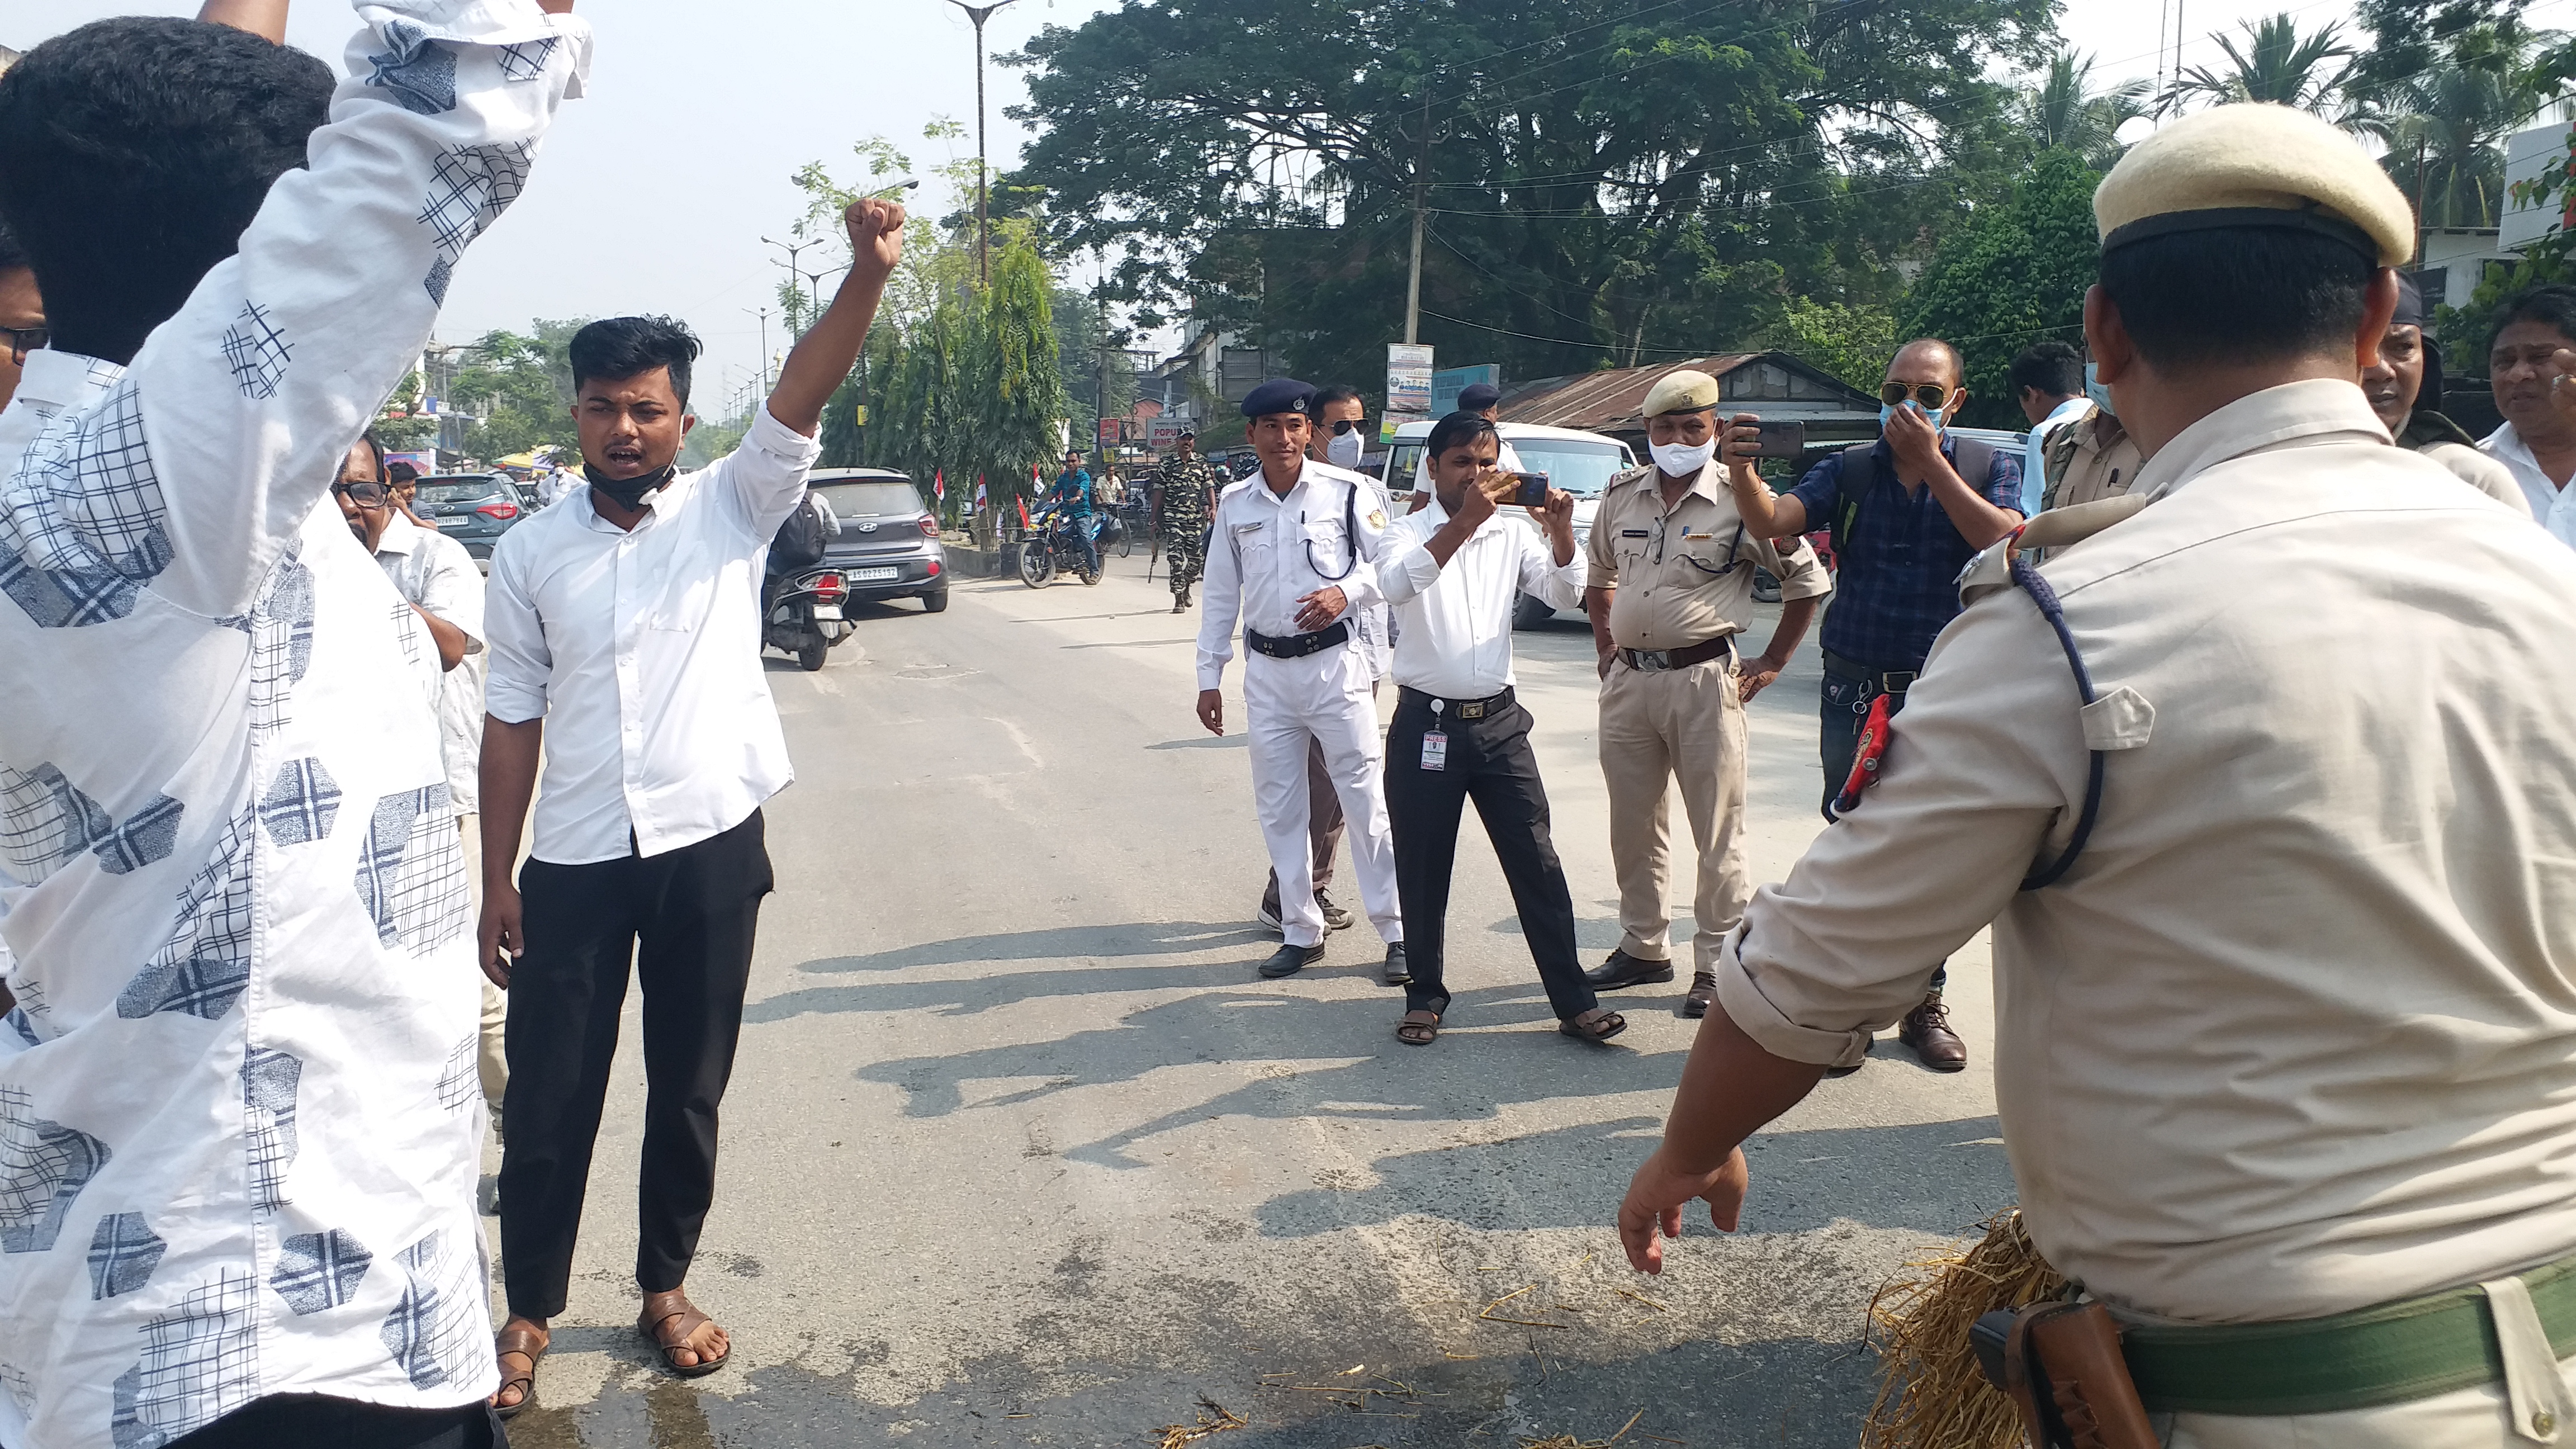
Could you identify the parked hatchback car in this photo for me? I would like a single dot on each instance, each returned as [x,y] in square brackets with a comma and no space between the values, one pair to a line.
[1581,463]
[474,509]
[889,544]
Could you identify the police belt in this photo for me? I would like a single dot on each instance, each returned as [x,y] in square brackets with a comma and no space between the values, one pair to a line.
[1296,646]
[2389,1353]
[1882,681]
[1492,704]
[1723,646]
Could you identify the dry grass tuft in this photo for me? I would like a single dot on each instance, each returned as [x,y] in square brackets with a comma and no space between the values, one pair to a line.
[1931,1393]
[1214,1419]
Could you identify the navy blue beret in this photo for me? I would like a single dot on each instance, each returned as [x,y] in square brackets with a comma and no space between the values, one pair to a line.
[1278,395]
[1475,397]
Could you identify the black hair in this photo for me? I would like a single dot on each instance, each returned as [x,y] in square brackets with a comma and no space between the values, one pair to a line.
[2236,294]
[2052,367]
[11,254]
[1460,428]
[402,473]
[376,446]
[133,152]
[2552,306]
[616,348]
[1338,392]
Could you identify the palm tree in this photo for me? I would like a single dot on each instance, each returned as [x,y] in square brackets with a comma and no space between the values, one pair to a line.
[2279,65]
[2065,112]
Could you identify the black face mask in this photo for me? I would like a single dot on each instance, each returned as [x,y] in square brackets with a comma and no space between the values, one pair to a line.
[629,492]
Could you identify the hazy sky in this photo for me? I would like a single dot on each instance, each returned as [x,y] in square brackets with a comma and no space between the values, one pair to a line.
[653,193]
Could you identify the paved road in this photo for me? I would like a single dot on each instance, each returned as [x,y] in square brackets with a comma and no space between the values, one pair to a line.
[1021,1152]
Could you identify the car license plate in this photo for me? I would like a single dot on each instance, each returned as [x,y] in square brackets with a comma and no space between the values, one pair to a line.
[875,576]
[827,611]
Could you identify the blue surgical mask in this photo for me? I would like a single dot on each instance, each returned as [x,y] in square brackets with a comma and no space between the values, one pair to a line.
[2093,389]
[1936,414]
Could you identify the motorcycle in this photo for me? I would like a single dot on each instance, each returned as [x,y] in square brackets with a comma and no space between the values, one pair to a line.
[803,614]
[1054,545]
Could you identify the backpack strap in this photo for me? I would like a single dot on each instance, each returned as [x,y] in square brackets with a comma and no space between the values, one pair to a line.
[1859,471]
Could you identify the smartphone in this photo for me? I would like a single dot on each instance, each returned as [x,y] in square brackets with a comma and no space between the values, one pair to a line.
[1529,490]
[1780,440]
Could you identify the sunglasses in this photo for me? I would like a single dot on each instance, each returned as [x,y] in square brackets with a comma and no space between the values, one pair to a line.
[365,495]
[1344,425]
[23,340]
[1930,394]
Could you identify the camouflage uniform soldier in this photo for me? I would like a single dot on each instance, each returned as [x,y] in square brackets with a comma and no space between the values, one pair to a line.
[1184,493]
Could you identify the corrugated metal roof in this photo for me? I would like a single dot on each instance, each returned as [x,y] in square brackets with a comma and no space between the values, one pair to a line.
[1614,401]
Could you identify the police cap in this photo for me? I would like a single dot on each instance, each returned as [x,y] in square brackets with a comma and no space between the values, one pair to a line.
[1278,395]
[2255,166]
[1475,397]
[1681,391]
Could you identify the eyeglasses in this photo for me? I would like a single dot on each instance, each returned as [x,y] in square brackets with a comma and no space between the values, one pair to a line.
[365,495]
[1930,394]
[1344,425]
[23,340]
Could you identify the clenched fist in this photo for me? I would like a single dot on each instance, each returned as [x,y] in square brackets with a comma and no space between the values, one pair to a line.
[876,234]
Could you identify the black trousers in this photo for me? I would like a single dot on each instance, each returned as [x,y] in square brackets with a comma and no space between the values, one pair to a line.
[284,1420]
[694,911]
[1490,762]
[1844,709]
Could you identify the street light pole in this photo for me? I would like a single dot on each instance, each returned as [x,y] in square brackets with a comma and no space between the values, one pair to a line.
[983,227]
[763,314]
[793,272]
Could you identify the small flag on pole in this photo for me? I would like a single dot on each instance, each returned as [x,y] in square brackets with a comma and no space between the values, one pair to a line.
[979,493]
[939,485]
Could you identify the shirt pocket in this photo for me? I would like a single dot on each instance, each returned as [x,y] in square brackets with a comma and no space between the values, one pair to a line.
[1327,547]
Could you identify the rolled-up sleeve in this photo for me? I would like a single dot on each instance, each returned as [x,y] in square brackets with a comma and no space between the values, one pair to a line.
[514,692]
[1985,770]
[1601,564]
[1794,563]
[2003,482]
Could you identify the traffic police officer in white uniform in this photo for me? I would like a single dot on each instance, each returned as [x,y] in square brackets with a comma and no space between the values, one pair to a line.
[1291,560]
[2276,828]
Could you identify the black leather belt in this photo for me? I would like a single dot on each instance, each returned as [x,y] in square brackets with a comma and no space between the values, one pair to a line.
[1885,681]
[1296,646]
[1491,704]
[1683,658]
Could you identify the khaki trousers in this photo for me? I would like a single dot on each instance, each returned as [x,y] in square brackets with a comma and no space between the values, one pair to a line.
[490,1062]
[1659,726]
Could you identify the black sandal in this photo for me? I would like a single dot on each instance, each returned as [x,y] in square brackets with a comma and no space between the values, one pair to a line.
[1605,1025]
[1418,1028]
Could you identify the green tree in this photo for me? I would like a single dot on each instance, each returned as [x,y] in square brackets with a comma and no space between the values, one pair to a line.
[521,386]
[2014,275]
[2278,64]
[1610,179]
[1852,341]
[2064,112]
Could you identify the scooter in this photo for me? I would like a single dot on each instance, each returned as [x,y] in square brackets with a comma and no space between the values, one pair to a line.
[803,614]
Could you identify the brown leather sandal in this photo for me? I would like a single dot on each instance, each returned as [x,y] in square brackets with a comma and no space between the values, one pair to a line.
[1418,1028]
[660,1310]
[1595,1025]
[529,1344]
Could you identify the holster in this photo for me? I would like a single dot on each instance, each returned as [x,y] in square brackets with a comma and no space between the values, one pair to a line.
[2060,1364]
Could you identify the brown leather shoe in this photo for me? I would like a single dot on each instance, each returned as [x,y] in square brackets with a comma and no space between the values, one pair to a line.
[1927,1029]
[1703,987]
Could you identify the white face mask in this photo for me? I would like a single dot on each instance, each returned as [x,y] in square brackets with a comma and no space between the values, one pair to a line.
[1682,460]
[1344,450]
[2093,389]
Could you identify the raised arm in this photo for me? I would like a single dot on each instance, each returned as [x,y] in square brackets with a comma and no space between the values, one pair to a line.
[1765,514]
[821,360]
[249,395]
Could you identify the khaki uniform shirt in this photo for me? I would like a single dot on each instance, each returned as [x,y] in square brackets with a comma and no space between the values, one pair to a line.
[1688,576]
[2088,459]
[2297,1033]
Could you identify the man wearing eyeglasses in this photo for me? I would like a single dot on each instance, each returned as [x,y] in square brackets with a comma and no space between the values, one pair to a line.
[1905,517]
[1670,585]
[22,314]
[1291,560]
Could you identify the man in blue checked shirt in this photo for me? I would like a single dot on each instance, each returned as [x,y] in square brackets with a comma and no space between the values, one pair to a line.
[1906,514]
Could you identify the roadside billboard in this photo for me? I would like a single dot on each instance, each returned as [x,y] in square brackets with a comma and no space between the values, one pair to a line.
[1448,382]
[1408,377]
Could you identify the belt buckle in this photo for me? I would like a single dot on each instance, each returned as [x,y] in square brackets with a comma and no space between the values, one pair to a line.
[1654,658]
[1897,681]
[1473,709]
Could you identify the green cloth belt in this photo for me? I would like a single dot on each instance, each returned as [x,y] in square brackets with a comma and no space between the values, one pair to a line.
[2387,1354]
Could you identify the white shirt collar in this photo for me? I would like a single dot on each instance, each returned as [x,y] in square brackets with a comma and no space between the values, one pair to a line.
[401,536]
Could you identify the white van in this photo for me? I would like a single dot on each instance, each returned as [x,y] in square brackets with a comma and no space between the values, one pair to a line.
[1581,463]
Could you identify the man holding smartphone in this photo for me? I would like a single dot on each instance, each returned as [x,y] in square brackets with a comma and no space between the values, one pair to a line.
[1907,513]
[1451,571]
[1671,582]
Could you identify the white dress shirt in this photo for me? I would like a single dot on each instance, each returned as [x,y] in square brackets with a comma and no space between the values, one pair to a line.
[435,572]
[641,651]
[1456,640]
[239,1121]
[2552,507]
[1269,550]
[2033,470]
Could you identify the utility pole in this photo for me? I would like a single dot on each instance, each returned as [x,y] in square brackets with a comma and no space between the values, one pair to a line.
[1101,386]
[1413,278]
[790,264]
[983,227]
[763,314]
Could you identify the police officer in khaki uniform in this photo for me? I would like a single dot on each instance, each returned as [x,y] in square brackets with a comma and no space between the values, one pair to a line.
[2089,458]
[2279,875]
[1670,584]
